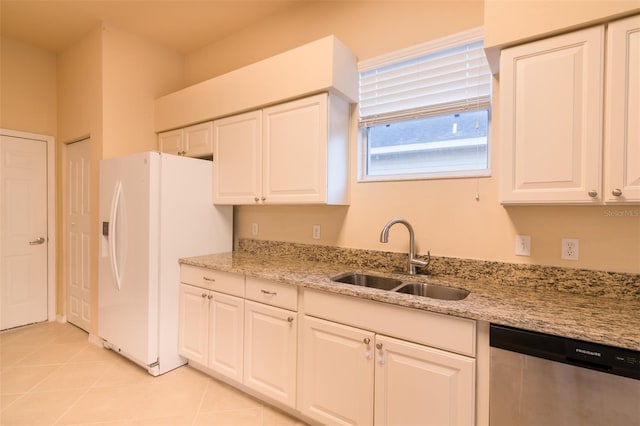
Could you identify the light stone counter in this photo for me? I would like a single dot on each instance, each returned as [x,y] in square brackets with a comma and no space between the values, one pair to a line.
[612,319]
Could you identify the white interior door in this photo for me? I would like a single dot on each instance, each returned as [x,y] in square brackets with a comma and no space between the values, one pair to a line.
[78,221]
[23,231]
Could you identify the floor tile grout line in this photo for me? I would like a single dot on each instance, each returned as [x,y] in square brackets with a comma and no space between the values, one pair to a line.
[72,405]
[199,407]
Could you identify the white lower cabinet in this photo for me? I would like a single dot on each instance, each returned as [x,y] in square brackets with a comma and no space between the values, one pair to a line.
[270,342]
[211,330]
[352,376]
[193,335]
[351,361]
[419,385]
[337,373]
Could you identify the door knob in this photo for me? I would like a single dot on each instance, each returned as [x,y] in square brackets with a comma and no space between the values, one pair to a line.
[38,241]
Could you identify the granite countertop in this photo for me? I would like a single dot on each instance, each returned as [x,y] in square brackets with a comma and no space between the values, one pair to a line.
[605,320]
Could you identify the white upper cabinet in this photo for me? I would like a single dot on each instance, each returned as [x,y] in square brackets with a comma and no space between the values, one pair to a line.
[237,165]
[555,108]
[192,141]
[622,119]
[292,153]
[551,115]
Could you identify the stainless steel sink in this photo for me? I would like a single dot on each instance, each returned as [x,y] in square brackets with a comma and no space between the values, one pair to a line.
[433,291]
[365,280]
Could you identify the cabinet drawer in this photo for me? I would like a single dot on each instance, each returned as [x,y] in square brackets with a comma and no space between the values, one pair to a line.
[272,293]
[223,282]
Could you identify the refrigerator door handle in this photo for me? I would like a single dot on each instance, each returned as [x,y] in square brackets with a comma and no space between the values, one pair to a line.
[113,234]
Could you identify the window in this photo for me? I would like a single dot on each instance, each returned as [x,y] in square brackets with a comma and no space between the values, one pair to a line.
[424,111]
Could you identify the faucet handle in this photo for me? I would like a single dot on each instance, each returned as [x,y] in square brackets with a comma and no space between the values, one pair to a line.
[421,263]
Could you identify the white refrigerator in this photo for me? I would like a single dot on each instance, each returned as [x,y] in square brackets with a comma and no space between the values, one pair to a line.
[154,209]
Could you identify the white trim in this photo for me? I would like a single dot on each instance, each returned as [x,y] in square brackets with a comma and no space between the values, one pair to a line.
[428,146]
[453,40]
[51,216]
[95,340]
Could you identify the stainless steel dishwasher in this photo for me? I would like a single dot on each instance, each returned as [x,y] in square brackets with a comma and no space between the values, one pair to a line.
[544,380]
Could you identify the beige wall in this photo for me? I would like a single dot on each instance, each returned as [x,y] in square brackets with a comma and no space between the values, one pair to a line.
[27,88]
[369,28]
[80,115]
[529,19]
[108,82]
[134,73]
[447,218]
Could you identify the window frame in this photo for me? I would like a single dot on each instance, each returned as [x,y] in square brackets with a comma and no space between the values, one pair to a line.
[449,42]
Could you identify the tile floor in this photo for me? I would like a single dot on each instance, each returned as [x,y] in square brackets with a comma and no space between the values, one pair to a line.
[51,375]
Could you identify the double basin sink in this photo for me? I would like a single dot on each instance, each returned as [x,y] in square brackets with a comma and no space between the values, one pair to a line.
[433,291]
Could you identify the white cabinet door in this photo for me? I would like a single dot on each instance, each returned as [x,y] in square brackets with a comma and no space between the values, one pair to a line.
[622,120]
[237,166]
[337,373]
[270,351]
[418,385]
[193,324]
[198,141]
[294,159]
[226,328]
[171,142]
[192,141]
[292,153]
[551,119]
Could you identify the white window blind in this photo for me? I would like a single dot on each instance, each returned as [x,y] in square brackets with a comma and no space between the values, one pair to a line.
[446,76]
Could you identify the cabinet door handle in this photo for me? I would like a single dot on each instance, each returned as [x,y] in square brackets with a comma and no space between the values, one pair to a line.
[204,295]
[380,354]
[367,352]
[209,279]
[264,199]
[269,293]
[290,319]
[210,296]
[593,193]
[256,199]
[616,192]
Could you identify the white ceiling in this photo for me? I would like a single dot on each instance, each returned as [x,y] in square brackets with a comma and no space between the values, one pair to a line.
[181,25]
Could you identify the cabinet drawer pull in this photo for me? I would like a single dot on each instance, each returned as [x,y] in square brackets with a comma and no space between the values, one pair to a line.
[269,293]
[210,296]
[593,193]
[256,199]
[290,319]
[209,279]
[204,295]
[616,192]
[366,340]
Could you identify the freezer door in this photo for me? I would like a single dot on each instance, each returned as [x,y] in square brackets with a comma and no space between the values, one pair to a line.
[128,263]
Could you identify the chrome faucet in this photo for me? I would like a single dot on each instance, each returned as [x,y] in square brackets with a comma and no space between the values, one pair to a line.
[413,262]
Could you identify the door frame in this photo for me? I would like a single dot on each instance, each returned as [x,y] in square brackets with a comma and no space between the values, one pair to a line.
[51,213]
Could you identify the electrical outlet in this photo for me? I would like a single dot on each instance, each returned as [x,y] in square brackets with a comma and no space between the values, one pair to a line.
[316,232]
[254,229]
[570,249]
[523,245]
